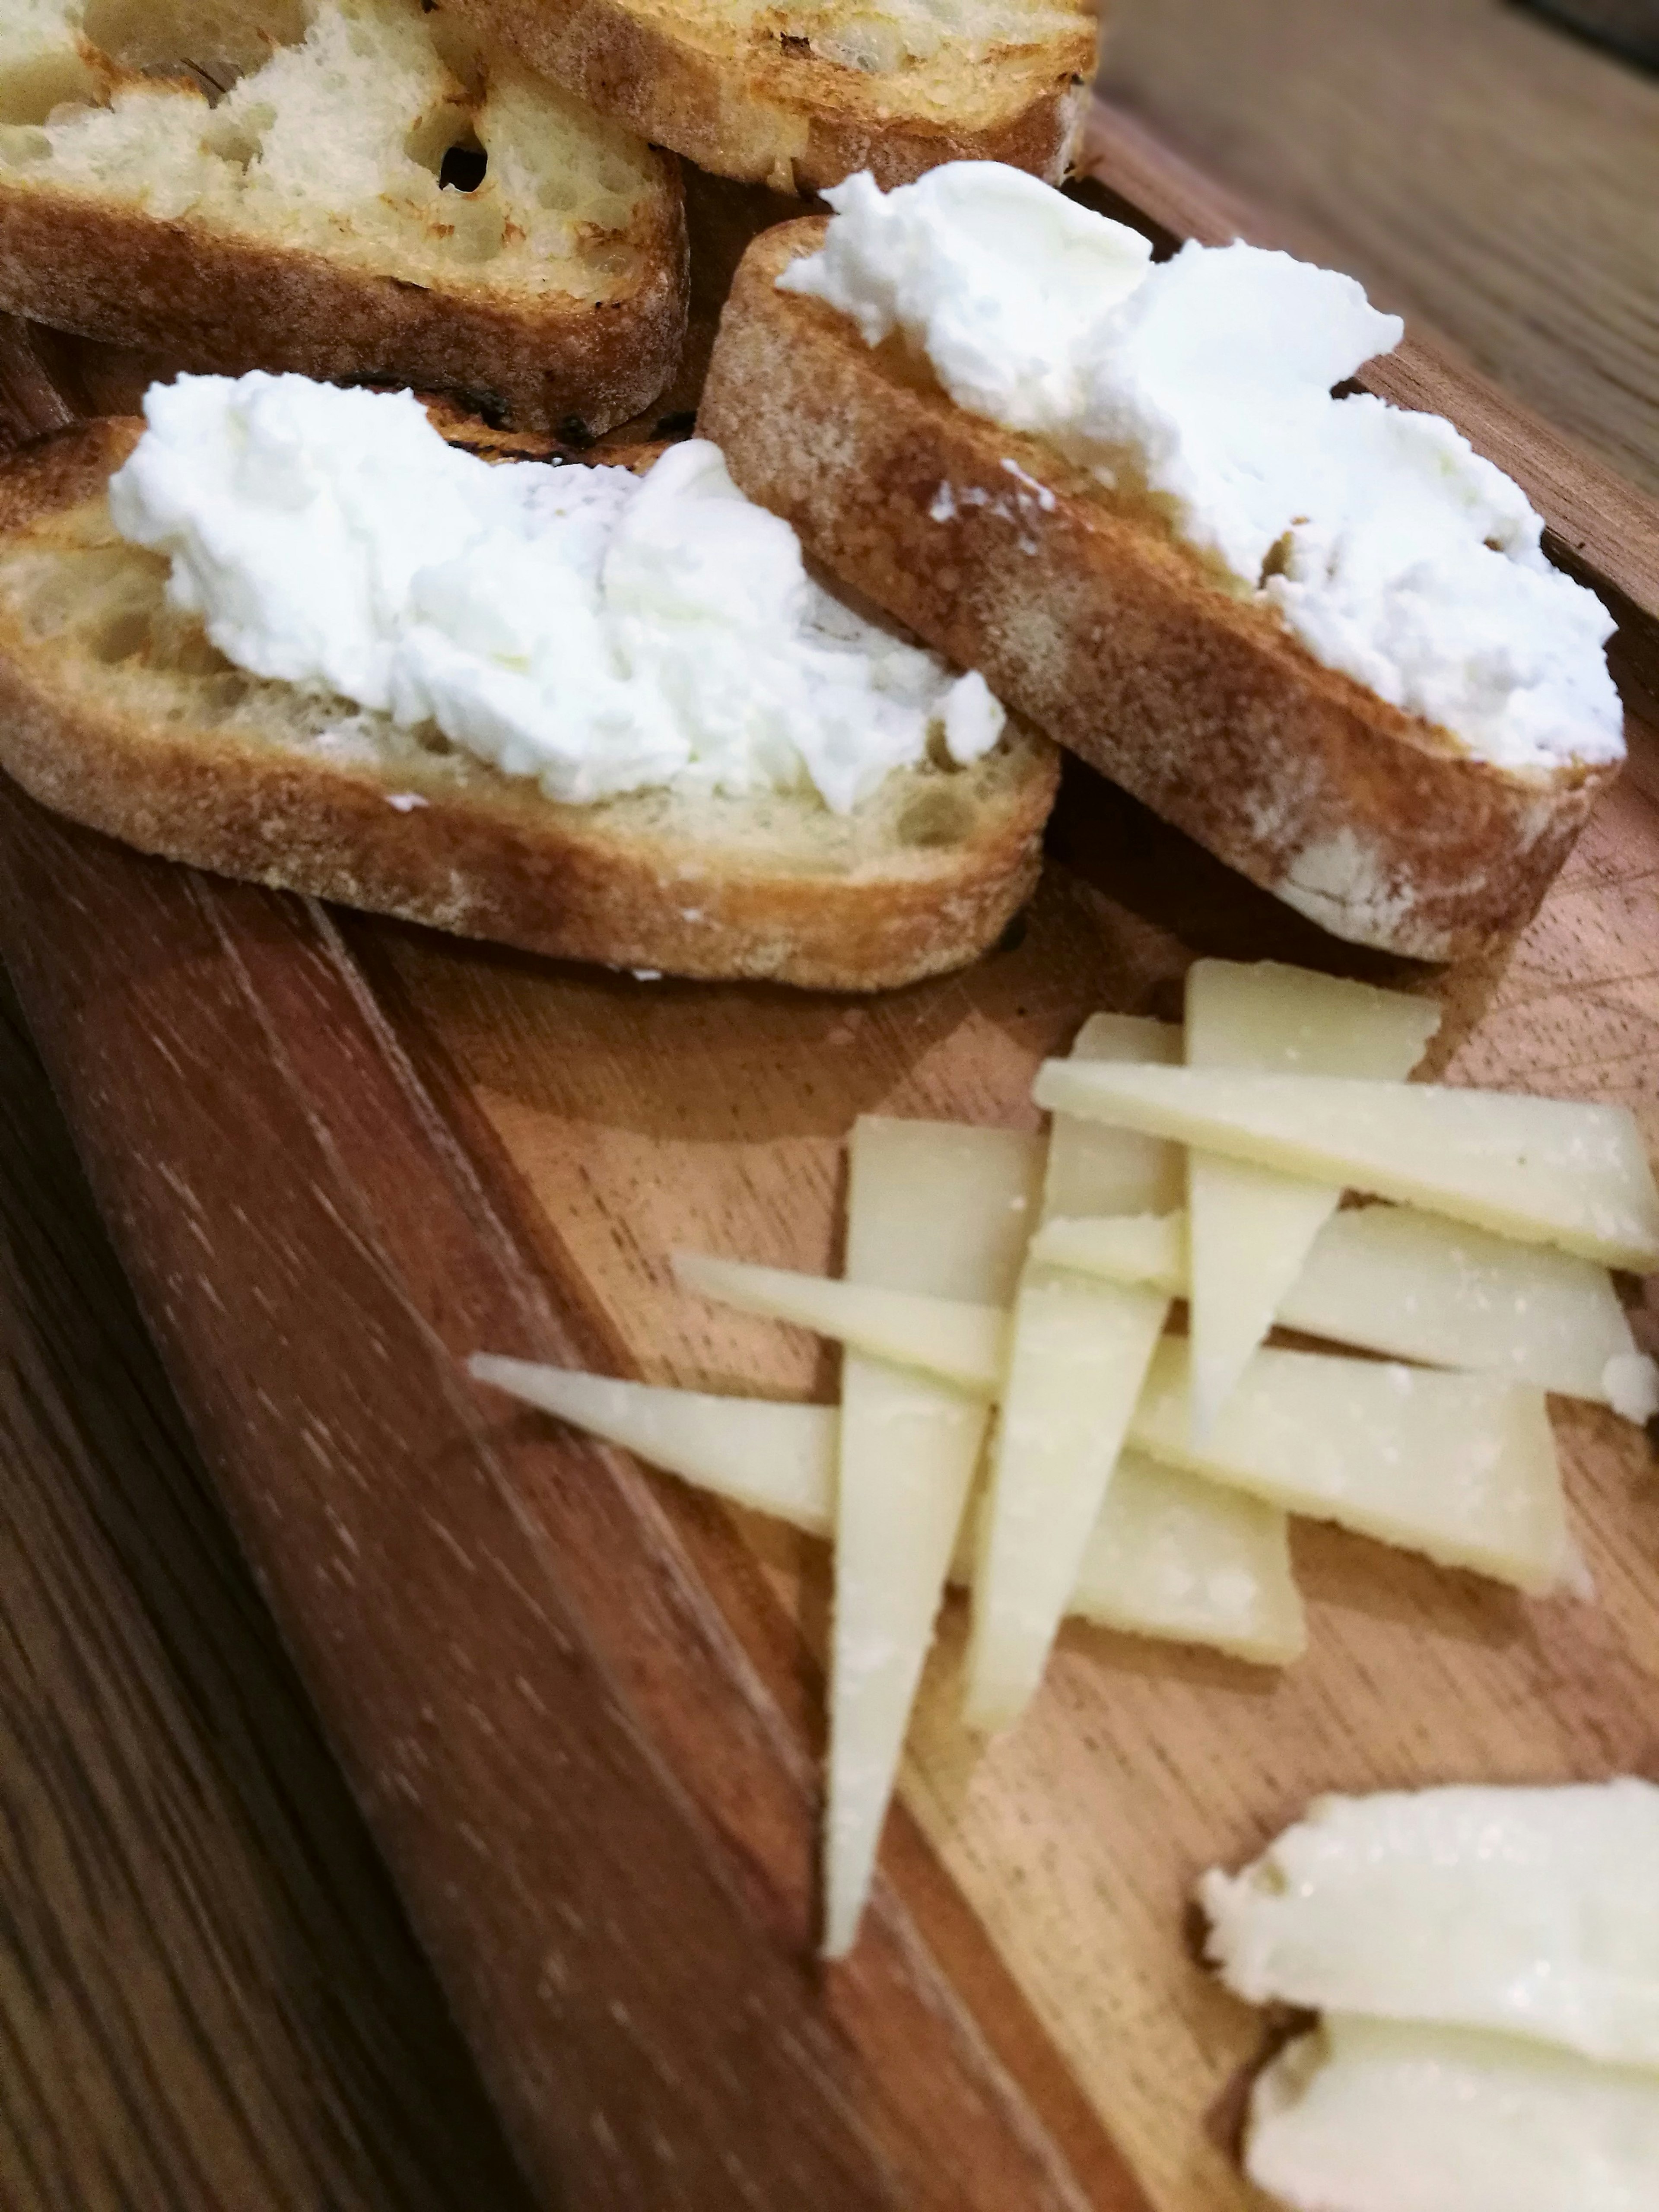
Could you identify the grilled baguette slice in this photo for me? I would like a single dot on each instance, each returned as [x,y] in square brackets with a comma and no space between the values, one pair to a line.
[1083,611]
[297,219]
[798,97]
[116,712]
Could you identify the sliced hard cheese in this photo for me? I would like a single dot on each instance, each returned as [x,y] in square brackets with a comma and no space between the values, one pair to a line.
[777,1459]
[1251,1228]
[960,1344]
[1175,1556]
[1079,1358]
[1461,1466]
[1094,1170]
[944,1213]
[1541,1170]
[1170,1555]
[1392,1278]
[1374,2116]
[1532,1911]
[1419,1286]
[910,1452]
[950,1208]
[1128,1248]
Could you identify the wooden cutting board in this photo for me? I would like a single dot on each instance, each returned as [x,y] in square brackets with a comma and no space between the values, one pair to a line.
[582,1707]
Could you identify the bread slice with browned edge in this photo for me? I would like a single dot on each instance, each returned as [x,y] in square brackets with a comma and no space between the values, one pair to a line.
[1083,610]
[348,188]
[118,711]
[798,97]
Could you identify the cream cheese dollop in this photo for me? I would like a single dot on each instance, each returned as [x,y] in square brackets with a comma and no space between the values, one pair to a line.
[598,631]
[1392,550]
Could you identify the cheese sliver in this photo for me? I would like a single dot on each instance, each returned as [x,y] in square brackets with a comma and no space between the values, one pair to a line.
[1392,1278]
[943,1212]
[1251,1227]
[777,1459]
[1422,1287]
[1375,2116]
[909,1454]
[1265,1015]
[1079,1357]
[1533,1913]
[1125,1247]
[1250,1232]
[1096,1171]
[1170,1555]
[951,1210]
[958,1343]
[1541,1170]
[1459,1467]
[1175,1556]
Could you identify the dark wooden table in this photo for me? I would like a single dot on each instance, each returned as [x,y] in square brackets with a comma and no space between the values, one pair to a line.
[208,1994]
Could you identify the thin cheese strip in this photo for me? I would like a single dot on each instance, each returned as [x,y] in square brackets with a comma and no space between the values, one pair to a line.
[1544,1170]
[1393,1279]
[1079,1356]
[1372,2116]
[778,1459]
[1096,1171]
[937,1211]
[958,1343]
[1530,1912]
[1174,1556]
[1170,1556]
[1251,1228]
[1459,1467]
[1128,1248]
[1421,1287]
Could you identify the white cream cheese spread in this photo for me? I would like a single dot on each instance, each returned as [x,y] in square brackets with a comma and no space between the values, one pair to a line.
[1391,548]
[599,631]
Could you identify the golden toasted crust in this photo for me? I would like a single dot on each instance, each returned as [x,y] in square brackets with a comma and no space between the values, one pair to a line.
[210,300]
[751,101]
[172,751]
[1084,613]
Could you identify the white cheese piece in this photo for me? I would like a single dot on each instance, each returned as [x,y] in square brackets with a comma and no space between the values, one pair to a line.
[1079,1356]
[944,1213]
[1533,1913]
[1174,1556]
[1125,1247]
[1544,1170]
[1459,1467]
[1093,1169]
[1418,1286]
[1251,1228]
[954,1342]
[1630,1383]
[1421,1287]
[1373,2116]
[773,1458]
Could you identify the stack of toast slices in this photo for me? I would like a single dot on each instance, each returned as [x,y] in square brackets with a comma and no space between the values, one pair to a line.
[533,213]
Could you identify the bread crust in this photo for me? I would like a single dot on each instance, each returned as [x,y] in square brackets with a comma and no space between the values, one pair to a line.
[1087,615]
[448,842]
[757,108]
[209,300]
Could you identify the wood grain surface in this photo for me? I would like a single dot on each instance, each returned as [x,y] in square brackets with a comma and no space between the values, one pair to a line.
[1471,163]
[209,1996]
[581,1707]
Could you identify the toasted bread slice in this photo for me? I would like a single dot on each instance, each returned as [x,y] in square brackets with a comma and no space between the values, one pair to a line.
[800,97]
[1083,610]
[262,186]
[117,712]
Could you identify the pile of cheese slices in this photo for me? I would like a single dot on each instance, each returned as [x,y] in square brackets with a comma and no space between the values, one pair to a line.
[1016,1415]
[1486,1962]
